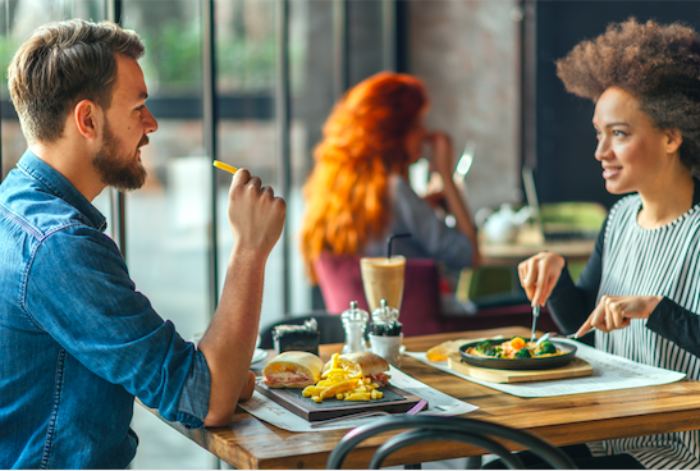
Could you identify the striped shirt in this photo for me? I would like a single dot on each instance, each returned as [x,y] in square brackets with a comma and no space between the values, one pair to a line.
[648,262]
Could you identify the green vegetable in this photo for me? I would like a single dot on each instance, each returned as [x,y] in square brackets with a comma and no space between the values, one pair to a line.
[486,348]
[546,348]
[523,353]
[483,346]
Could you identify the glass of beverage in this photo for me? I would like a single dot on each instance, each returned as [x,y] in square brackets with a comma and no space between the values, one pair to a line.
[383,278]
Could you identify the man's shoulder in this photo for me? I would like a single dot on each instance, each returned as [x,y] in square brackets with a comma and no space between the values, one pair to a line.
[31,208]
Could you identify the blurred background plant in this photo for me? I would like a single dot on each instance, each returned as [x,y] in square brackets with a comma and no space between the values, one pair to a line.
[173,60]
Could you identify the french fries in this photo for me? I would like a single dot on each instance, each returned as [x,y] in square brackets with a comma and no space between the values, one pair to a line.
[342,384]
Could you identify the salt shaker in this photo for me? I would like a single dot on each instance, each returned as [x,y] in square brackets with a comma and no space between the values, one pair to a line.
[354,322]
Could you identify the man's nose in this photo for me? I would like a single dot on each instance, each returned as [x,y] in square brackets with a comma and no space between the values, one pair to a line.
[150,123]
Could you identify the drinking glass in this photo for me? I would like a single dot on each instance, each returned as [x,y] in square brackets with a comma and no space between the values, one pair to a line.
[383,278]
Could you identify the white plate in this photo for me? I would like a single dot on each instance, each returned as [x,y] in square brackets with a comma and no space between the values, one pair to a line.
[259,355]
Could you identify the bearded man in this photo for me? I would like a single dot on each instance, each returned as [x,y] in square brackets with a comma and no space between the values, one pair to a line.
[78,341]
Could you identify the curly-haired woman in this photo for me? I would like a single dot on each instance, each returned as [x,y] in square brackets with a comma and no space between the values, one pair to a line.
[358,192]
[641,288]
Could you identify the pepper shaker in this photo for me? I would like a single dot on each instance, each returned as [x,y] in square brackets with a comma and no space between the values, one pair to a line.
[383,317]
[386,337]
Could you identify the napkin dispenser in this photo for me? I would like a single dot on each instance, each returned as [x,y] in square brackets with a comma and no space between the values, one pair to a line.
[300,338]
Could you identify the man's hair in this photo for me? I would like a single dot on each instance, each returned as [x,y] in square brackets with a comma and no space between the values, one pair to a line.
[61,64]
[658,64]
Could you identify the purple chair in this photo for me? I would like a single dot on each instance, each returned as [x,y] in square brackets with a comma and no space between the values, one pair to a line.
[341,282]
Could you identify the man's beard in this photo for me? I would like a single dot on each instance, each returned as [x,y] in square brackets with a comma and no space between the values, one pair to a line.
[122,172]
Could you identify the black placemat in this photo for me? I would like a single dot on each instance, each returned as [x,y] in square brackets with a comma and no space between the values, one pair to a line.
[394,400]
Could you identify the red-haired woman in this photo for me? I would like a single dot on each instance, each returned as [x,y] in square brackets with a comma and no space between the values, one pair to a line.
[358,193]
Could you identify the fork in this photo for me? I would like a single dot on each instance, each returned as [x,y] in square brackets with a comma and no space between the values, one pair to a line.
[535,315]
[412,411]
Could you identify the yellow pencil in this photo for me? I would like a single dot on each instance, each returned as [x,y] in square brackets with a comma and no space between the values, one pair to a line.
[224,166]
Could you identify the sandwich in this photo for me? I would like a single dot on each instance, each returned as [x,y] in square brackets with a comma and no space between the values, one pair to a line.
[293,370]
[367,364]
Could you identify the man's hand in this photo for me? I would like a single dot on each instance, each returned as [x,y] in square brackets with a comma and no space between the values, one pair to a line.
[248,387]
[539,274]
[256,216]
[616,312]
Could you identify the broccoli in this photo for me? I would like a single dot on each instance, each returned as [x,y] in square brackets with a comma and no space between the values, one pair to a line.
[486,349]
[546,348]
[523,353]
[483,346]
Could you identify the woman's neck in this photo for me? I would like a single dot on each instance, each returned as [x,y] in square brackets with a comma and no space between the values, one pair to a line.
[667,202]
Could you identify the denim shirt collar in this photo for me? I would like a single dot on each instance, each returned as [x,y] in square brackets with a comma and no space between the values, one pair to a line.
[62,188]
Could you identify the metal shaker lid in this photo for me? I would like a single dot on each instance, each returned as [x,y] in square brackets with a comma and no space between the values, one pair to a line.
[384,313]
[355,314]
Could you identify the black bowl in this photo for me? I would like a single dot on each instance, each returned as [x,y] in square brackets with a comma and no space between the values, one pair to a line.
[534,363]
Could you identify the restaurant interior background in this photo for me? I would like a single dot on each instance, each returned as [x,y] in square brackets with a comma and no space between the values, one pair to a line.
[251,83]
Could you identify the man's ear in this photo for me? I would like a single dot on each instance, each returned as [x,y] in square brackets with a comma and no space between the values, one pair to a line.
[674,139]
[85,117]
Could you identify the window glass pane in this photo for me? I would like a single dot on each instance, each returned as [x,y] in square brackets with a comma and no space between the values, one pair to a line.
[311,71]
[246,55]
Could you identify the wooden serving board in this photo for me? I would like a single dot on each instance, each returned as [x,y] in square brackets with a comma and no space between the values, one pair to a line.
[574,369]
[394,400]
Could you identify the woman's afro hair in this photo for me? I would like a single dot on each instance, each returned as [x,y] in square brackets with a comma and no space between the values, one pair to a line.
[658,64]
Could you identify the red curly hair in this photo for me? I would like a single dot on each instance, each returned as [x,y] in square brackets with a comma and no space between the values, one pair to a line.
[363,144]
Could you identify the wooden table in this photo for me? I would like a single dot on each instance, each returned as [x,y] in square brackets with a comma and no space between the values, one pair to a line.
[248,443]
[511,254]
[529,243]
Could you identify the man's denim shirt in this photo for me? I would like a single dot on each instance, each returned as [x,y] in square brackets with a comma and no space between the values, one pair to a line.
[78,342]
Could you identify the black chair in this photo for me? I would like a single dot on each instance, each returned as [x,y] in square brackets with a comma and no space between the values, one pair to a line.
[458,429]
[329,325]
